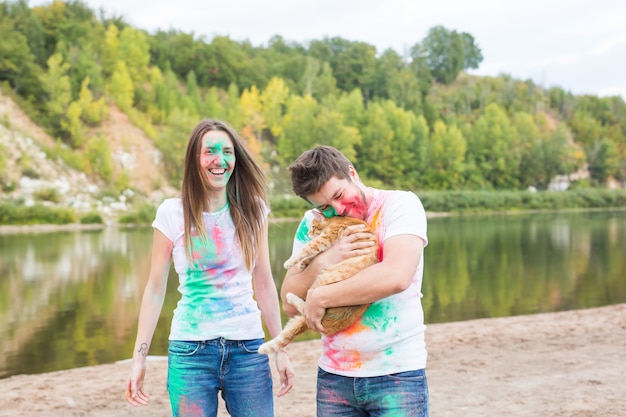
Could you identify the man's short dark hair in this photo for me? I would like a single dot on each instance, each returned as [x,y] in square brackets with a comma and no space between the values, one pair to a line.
[311,170]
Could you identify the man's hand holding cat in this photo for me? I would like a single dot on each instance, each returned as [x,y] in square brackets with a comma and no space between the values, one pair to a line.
[354,242]
[313,309]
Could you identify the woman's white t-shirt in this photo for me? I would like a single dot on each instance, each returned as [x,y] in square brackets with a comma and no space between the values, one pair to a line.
[216,291]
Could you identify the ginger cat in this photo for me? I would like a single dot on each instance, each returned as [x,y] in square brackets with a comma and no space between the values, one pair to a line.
[325,233]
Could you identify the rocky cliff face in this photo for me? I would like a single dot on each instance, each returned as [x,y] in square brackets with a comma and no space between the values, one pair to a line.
[29,175]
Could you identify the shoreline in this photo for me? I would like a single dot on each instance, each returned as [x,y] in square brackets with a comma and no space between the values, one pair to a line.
[563,364]
[75,227]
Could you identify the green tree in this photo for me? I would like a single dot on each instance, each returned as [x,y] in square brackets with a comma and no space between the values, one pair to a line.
[84,62]
[449,52]
[172,142]
[388,66]
[297,129]
[376,150]
[167,93]
[29,25]
[587,130]
[99,155]
[133,49]
[155,95]
[317,79]
[329,129]
[396,81]
[56,85]
[420,68]
[232,107]
[71,123]
[603,160]
[110,49]
[353,63]
[282,59]
[351,106]
[17,63]
[66,23]
[531,164]
[92,111]
[212,105]
[405,91]
[560,155]
[444,159]
[409,133]
[177,52]
[493,149]
[231,65]
[193,92]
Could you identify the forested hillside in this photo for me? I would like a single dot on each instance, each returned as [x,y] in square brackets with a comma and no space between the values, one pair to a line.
[417,121]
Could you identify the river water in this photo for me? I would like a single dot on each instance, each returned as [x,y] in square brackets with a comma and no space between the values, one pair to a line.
[71,299]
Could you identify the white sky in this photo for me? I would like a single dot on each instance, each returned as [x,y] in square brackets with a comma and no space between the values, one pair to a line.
[579,45]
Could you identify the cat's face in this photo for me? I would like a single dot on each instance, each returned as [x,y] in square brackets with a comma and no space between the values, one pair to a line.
[341,197]
[316,227]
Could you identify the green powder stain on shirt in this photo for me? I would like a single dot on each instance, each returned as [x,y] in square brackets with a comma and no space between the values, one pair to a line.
[379,316]
[302,235]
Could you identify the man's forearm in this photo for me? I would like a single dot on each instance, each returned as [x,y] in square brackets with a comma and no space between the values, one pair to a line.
[298,283]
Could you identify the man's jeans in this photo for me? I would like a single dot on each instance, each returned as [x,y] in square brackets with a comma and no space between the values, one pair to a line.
[198,370]
[404,394]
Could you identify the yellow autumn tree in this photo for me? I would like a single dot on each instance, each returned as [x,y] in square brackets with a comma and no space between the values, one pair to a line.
[273,100]
[120,87]
[251,108]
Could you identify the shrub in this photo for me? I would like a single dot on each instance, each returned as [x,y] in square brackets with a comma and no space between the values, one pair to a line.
[144,214]
[92,218]
[30,173]
[472,201]
[12,212]
[47,194]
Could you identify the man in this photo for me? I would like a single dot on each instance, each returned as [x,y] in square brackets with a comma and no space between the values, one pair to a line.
[377,366]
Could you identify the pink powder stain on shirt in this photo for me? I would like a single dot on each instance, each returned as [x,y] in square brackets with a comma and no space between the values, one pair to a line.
[343,358]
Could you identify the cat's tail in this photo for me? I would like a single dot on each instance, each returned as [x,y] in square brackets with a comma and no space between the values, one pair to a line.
[294,327]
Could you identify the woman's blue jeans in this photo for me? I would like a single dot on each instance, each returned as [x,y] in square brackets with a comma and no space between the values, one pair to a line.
[198,370]
[404,394]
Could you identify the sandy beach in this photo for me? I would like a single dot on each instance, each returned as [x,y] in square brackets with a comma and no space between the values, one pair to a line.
[569,364]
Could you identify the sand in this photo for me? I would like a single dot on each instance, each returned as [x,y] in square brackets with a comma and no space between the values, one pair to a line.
[554,364]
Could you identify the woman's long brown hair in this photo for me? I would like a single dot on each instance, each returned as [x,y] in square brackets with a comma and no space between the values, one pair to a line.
[246,192]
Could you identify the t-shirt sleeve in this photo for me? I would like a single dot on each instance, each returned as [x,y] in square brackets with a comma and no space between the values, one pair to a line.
[165,217]
[405,214]
[302,232]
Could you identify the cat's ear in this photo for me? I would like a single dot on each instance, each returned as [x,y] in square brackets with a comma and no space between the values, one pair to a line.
[318,215]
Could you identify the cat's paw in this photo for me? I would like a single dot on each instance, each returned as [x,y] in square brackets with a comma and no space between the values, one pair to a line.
[295,301]
[299,265]
[267,348]
[289,263]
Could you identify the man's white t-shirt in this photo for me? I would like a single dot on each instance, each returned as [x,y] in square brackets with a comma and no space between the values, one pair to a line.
[389,338]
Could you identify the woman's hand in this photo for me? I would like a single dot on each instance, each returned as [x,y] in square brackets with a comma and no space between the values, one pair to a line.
[285,370]
[134,388]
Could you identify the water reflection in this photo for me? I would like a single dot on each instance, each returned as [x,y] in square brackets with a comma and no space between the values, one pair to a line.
[508,265]
[71,299]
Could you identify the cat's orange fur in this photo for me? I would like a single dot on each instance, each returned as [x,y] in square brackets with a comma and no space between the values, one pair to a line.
[325,233]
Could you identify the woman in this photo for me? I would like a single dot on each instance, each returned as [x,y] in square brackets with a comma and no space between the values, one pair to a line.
[217,236]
